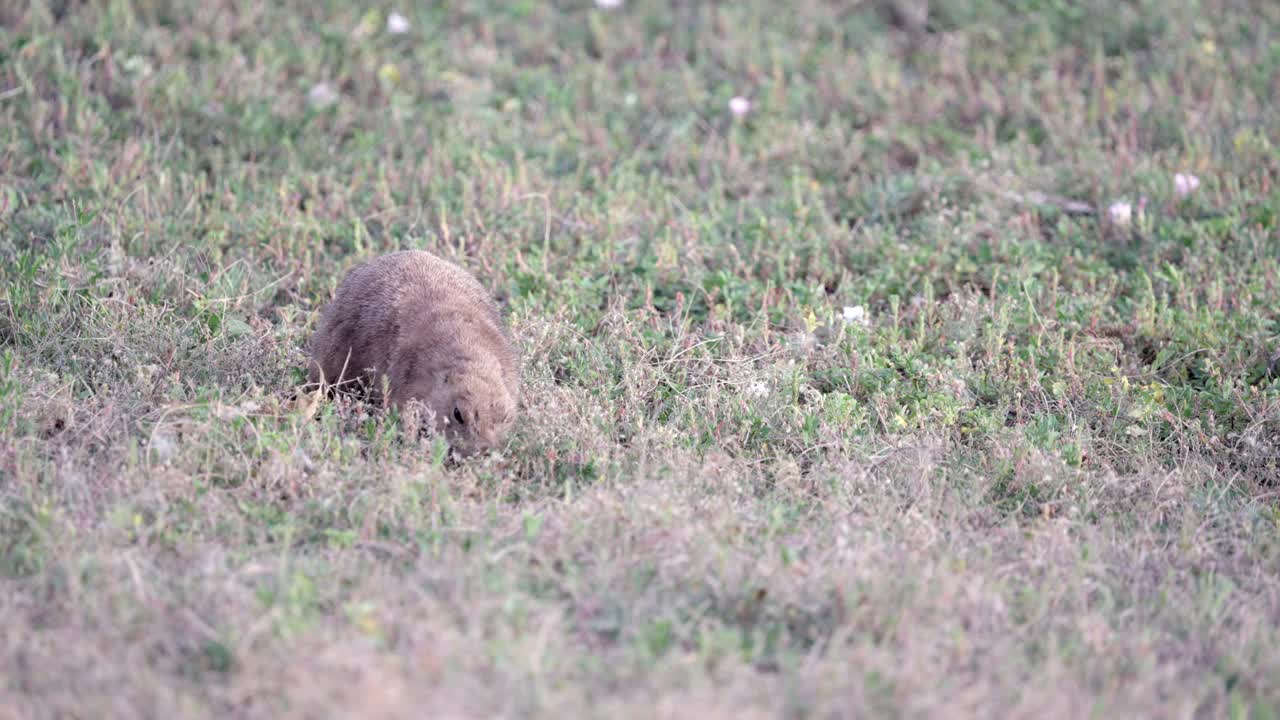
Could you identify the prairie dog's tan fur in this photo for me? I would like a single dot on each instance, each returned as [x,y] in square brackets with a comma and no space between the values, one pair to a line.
[435,334]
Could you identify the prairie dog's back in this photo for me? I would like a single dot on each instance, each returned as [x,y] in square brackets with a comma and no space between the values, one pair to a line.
[389,282]
[397,299]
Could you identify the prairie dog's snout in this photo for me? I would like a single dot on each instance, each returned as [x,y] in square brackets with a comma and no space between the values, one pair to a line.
[436,336]
[482,412]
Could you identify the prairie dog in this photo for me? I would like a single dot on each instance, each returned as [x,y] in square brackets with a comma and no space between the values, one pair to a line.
[437,337]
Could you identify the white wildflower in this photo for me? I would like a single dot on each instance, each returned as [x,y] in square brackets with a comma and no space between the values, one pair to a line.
[855,314]
[757,390]
[397,24]
[322,95]
[739,106]
[1185,183]
[1120,213]
[137,66]
[608,4]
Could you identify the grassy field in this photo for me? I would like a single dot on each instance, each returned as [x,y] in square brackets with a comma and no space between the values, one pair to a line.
[860,400]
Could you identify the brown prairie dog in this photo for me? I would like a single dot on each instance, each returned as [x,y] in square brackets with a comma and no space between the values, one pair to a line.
[434,333]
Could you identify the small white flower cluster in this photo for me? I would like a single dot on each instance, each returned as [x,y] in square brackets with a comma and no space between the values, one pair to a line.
[397,24]
[1185,183]
[1121,212]
[322,95]
[855,315]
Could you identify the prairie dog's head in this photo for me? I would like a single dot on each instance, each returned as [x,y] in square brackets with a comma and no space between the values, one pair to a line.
[471,405]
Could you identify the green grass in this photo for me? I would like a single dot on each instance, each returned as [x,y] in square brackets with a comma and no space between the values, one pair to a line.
[1040,479]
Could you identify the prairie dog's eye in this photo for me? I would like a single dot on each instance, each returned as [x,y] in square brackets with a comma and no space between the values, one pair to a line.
[457,416]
